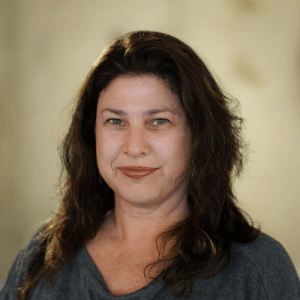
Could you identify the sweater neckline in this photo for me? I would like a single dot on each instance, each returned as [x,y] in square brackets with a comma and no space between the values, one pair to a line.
[146,292]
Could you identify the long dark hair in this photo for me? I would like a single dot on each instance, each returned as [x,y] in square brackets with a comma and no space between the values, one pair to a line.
[216,158]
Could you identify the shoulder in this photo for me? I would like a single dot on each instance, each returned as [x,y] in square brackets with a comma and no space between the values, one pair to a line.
[18,269]
[264,251]
[268,260]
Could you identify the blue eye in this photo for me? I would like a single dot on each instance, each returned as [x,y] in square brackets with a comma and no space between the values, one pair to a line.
[160,121]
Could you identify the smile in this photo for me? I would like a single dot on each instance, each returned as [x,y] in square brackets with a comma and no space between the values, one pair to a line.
[137,172]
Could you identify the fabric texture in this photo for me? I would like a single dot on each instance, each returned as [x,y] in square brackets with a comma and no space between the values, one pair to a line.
[258,270]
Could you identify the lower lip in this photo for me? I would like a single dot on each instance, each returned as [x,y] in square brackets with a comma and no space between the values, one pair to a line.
[137,174]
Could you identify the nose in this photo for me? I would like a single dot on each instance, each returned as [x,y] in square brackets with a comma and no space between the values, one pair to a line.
[136,142]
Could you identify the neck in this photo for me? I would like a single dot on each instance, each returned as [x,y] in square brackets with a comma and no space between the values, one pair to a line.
[133,225]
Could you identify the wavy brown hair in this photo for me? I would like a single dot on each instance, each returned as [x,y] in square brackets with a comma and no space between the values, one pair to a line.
[216,158]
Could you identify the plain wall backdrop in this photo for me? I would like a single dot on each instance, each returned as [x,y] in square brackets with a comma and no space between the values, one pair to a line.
[47,48]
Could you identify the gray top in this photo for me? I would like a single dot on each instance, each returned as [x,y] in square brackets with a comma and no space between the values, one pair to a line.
[258,270]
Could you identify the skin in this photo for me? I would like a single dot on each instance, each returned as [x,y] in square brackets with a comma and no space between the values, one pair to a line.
[139,122]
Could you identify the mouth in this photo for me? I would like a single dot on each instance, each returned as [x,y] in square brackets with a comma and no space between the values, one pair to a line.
[137,172]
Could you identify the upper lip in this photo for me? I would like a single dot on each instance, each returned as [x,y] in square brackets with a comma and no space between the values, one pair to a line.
[137,168]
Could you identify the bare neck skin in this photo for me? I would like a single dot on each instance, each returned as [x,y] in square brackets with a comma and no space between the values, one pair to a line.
[132,225]
[126,243]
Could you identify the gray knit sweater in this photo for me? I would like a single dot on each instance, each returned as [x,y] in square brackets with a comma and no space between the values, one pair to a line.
[258,270]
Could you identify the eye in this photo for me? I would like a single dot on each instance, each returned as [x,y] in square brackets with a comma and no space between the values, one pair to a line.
[114,121]
[160,121]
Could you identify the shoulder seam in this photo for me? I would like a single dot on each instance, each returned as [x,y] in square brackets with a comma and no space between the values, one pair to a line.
[254,264]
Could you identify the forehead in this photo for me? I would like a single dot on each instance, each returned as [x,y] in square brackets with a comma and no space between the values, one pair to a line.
[138,90]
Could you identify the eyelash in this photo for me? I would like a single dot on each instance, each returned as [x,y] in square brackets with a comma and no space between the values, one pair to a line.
[165,121]
[112,121]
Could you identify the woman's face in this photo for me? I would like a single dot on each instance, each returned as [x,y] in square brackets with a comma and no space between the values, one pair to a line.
[142,140]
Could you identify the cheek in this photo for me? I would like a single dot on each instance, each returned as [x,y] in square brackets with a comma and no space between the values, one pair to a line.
[106,150]
[173,150]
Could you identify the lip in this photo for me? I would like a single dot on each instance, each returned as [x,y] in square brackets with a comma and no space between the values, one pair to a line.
[137,171]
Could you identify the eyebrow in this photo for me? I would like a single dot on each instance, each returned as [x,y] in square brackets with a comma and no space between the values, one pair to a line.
[114,111]
[146,113]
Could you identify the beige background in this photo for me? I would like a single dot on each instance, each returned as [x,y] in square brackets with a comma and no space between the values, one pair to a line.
[47,47]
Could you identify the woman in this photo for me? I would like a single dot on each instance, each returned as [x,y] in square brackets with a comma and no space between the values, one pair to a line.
[147,206]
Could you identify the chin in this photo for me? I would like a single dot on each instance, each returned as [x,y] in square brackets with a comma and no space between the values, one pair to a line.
[139,198]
